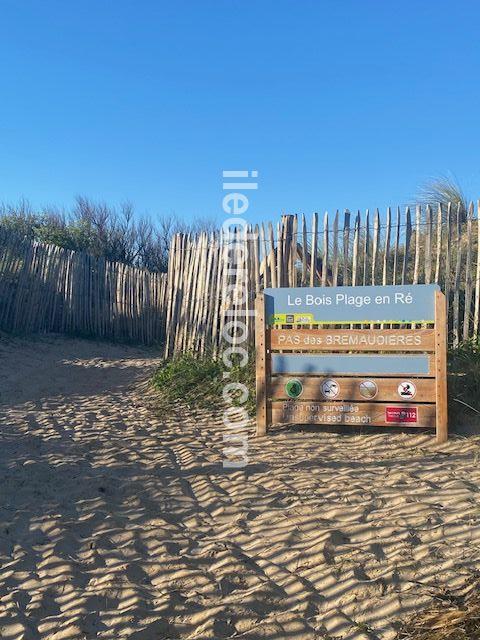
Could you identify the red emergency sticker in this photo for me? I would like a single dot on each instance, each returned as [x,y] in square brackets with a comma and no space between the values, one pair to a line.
[401,414]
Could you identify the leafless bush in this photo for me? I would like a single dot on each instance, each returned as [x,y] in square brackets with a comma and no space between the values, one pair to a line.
[98,228]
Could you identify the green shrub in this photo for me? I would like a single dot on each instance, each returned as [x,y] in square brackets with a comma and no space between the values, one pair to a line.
[464,380]
[199,380]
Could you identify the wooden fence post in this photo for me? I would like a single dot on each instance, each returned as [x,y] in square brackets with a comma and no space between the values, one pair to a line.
[441,366]
[261,366]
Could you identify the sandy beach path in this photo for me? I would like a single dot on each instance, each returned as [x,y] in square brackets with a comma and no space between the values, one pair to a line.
[118,522]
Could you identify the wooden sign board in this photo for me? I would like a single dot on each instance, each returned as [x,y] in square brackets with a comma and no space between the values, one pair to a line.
[337,372]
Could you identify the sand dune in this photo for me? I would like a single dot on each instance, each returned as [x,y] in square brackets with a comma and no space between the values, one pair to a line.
[117,522]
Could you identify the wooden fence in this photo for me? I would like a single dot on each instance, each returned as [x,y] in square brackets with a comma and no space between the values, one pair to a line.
[213,280]
[44,288]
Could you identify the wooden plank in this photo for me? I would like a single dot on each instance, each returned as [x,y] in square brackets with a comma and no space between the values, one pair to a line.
[287,237]
[456,284]
[206,298]
[264,262]
[376,232]
[448,248]
[187,279]
[256,258]
[262,370]
[304,251]
[241,284]
[428,245]
[408,236]
[170,294]
[356,245]
[313,256]
[293,252]
[396,248]
[279,255]
[325,250]
[441,391]
[468,277]
[386,252]
[212,314]
[337,364]
[325,340]
[366,247]
[439,242]
[355,389]
[354,414]
[418,223]
[246,288]
[273,257]
[346,245]
[335,251]
[477,278]
[217,297]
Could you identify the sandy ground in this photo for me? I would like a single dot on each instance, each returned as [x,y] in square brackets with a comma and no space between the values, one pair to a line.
[119,523]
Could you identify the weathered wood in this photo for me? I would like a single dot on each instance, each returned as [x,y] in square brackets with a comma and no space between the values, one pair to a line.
[363,413]
[366,247]
[378,389]
[313,253]
[438,243]
[203,334]
[325,340]
[418,222]
[280,247]
[325,250]
[265,263]
[477,278]
[217,297]
[346,245]
[468,277]
[256,259]
[261,364]
[428,245]
[356,244]
[352,364]
[45,288]
[293,252]
[376,231]
[273,257]
[448,248]
[330,376]
[397,245]
[225,287]
[335,251]
[386,250]
[441,391]
[456,285]
[408,235]
[304,251]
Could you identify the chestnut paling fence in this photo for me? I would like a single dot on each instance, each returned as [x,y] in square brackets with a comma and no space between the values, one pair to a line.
[44,288]
[212,279]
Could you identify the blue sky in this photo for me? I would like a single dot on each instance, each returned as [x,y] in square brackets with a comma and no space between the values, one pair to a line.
[336,103]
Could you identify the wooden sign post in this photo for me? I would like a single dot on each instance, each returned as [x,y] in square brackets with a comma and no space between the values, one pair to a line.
[318,364]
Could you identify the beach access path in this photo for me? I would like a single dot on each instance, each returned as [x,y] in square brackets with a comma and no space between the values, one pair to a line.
[118,521]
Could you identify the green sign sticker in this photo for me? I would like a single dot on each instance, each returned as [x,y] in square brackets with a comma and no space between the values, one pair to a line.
[294,388]
[292,318]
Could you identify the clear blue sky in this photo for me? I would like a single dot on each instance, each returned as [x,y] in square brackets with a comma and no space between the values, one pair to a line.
[336,103]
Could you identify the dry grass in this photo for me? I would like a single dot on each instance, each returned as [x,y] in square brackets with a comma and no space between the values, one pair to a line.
[454,617]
